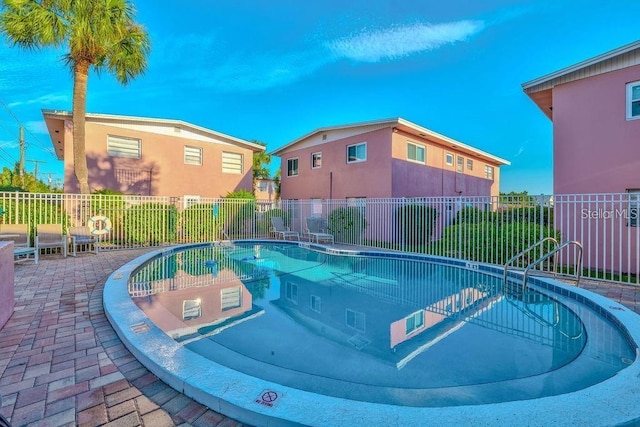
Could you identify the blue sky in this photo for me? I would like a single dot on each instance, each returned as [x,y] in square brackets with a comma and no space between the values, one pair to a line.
[273,71]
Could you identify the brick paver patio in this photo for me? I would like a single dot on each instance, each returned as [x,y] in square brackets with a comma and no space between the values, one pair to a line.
[62,364]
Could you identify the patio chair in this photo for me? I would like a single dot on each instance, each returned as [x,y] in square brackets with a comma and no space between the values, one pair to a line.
[81,237]
[19,233]
[316,229]
[49,236]
[279,229]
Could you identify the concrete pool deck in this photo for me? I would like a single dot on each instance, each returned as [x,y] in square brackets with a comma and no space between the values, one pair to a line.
[61,362]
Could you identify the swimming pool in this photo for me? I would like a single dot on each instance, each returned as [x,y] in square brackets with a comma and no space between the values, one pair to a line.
[373,331]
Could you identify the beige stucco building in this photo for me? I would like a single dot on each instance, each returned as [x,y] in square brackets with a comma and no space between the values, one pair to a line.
[153,157]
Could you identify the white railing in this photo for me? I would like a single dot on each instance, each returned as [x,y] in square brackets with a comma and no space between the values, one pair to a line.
[483,229]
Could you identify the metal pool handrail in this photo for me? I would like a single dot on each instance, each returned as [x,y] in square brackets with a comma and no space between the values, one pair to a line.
[529,249]
[553,252]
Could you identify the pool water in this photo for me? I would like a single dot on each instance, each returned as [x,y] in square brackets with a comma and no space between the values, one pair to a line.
[376,328]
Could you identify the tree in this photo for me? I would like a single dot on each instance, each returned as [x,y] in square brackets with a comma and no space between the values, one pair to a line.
[96,33]
[260,162]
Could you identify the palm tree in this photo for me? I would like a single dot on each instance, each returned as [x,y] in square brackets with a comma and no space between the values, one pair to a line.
[95,33]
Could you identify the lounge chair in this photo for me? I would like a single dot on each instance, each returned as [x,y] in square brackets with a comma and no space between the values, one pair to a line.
[19,234]
[81,237]
[316,229]
[279,229]
[49,236]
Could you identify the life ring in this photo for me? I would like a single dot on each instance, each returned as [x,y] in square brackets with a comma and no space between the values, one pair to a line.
[94,225]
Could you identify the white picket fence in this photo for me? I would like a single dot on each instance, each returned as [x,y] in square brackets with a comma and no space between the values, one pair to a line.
[484,229]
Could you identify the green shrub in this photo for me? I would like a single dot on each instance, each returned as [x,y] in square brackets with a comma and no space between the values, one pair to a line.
[202,223]
[415,223]
[346,224]
[151,224]
[490,242]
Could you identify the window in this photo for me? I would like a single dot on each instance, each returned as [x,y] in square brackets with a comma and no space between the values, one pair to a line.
[315,304]
[357,152]
[231,162]
[415,152]
[292,167]
[469,164]
[414,321]
[292,292]
[316,160]
[355,320]
[633,100]
[119,146]
[488,172]
[460,164]
[190,200]
[231,298]
[448,159]
[634,205]
[192,155]
[191,309]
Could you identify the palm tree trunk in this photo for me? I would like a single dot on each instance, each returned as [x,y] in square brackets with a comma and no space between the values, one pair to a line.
[80,78]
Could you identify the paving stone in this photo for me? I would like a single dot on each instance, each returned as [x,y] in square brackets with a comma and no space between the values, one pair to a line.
[28,414]
[121,409]
[96,415]
[145,405]
[209,418]
[31,395]
[129,420]
[158,418]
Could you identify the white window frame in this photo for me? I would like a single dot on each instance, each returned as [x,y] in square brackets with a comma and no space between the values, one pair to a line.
[469,164]
[313,160]
[417,147]
[459,164]
[291,292]
[418,322]
[126,149]
[315,303]
[631,101]
[357,159]
[357,315]
[190,200]
[192,155]
[297,170]
[448,159]
[489,172]
[230,298]
[229,162]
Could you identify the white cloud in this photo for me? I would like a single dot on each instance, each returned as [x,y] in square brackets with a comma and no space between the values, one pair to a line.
[44,100]
[398,42]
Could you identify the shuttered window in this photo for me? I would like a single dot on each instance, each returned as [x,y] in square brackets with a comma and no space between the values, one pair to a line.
[231,162]
[231,298]
[192,155]
[120,146]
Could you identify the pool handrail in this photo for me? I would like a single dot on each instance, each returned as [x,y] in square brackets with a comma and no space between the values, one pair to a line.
[578,267]
[527,250]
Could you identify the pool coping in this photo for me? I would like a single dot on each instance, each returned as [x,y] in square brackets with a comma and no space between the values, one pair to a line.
[240,396]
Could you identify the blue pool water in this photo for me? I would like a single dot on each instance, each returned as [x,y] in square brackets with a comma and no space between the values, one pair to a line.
[382,329]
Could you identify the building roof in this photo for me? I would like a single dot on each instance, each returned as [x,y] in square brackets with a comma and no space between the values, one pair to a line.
[540,89]
[398,123]
[55,120]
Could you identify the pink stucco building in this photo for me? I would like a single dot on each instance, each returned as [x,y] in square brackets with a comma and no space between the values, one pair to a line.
[153,157]
[384,158]
[595,109]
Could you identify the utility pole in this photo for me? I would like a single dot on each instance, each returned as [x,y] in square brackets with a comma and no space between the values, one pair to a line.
[35,168]
[21,162]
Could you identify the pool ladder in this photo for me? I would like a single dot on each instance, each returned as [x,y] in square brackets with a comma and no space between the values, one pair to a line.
[556,248]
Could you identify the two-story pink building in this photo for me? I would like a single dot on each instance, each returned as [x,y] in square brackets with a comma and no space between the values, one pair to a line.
[384,158]
[153,157]
[595,109]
